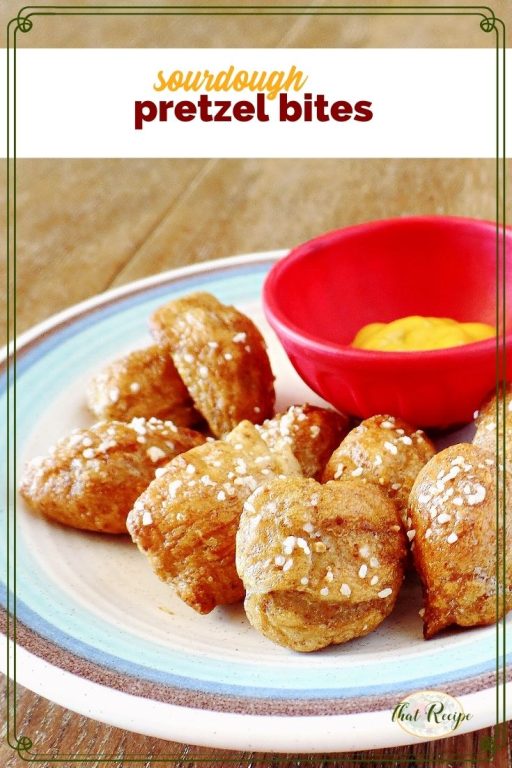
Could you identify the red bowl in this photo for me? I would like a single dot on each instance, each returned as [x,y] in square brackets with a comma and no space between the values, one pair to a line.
[324,291]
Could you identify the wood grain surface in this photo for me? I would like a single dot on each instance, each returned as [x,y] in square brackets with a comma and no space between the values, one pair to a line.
[84,226]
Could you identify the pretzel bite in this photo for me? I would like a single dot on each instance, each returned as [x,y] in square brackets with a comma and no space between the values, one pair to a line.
[186,520]
[311,432]
[486,424]
[221,357]
[143,383]
[321,564]
[91,478]
[384,451]
[453,524]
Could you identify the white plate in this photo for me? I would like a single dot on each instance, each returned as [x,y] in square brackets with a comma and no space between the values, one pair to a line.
[100,634]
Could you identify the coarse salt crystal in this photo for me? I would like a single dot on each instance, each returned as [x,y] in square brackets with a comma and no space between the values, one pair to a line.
[357,472]
[279,560]
[374,563]
[155,453]
[411,534]
[443,518]
[385,592]
[324,591]
[239,338]
[339,471]
[146,518]
[289,544]
[173,487]
[391,448]
[302,544]
[363,570]
[374,580]
[345,590]
[478,496]
[134,387]
[452,538]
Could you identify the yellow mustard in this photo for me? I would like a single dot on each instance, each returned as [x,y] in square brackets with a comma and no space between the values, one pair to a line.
[415,332]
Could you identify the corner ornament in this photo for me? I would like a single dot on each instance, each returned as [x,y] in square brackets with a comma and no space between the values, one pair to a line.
[24,24]
[488,23]
[23,745]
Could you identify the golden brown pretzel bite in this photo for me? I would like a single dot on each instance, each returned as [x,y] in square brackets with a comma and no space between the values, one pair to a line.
[143,383]
[321,564]
[91,478]
[491,413]
[222,358]
[453,527]
[186,520]
[311,432]
[385,451]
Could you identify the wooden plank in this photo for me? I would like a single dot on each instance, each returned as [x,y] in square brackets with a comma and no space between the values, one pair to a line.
[86,218]
[230,31]
[256,205]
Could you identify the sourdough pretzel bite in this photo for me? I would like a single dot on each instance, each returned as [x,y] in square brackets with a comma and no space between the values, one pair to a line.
[453,524]
[321,564]
[91,478]
[486,421]
[186,520]
[311,432]
[221,357]
[385,451]
[143,383]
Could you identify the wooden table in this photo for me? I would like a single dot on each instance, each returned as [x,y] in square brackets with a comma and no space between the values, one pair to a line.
[87,225]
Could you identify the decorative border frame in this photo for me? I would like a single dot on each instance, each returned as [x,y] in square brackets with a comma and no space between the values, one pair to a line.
[23,23]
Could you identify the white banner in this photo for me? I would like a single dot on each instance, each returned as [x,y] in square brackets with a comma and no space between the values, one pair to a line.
[255,103]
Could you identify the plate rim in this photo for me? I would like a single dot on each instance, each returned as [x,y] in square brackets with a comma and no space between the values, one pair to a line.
[112,295]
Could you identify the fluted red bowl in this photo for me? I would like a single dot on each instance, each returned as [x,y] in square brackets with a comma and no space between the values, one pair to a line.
[325,290]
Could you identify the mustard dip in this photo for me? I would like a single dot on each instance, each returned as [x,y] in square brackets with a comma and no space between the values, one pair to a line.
[416,333]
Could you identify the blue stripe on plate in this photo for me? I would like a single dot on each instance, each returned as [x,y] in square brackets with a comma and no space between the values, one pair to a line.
[56,361]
